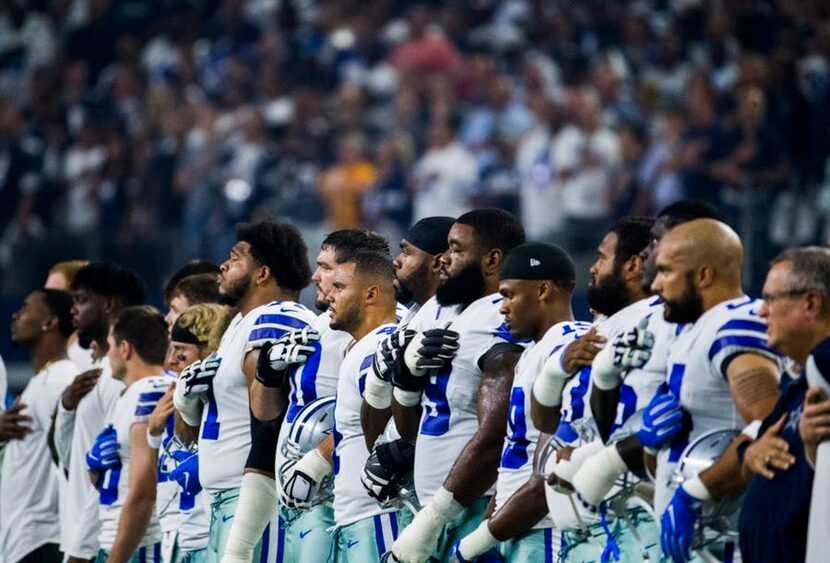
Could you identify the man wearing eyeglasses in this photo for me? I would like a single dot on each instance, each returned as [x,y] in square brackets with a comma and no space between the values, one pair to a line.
[779,465]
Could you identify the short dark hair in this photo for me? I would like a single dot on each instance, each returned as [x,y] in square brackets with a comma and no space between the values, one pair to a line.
[687,210]
[201,288]
[145,329]
[109,279]
[192,268]
[59,304]
[348,242]
[810,270]
[280,247]
[372,264]
[633,236]
[494,228]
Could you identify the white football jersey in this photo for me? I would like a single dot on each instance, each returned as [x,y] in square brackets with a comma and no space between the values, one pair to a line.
[225,432]
[29,480]
[522,436]
[134,406]
[576,407]
[81,357]
[449,417]
[696,374]
[351,501]
[80,539]
[639,385]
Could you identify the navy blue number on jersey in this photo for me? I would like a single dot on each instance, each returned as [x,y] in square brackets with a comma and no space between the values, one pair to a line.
[514,455]
[682,439]
[437,418]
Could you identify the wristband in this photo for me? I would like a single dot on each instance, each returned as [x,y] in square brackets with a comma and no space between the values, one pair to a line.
[697,489]
[407,398]
[445,505]
[153,441]
[378,393]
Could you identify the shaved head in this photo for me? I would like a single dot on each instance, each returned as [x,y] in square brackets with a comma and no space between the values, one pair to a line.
[698,265]
[707,242]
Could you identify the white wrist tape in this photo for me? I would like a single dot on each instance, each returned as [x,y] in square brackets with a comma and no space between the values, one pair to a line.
[190,407]
[314,465]
[567,468]
[550,382]
[479,541]
[445,504]
[378,393]
[751,430]
[604,374]
[407,398]
[257,503]
[153,441]
[697,489]
[598,473]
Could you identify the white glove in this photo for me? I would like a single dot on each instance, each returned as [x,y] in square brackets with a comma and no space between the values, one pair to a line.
[418,540]
[597,474]
[189,406]
[567,468]
[550,382]
[197,378]
[630,349]
[301,479]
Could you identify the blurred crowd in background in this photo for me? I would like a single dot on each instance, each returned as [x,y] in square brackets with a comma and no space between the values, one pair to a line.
[146,130]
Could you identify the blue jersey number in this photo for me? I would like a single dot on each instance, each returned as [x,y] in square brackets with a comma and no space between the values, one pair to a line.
[682,439]
[210,429]
[437,417]
[625,407]
[514,455]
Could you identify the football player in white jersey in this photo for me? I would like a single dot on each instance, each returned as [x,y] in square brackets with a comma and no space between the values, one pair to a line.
[191,290]
[721,369]
[619,389]
[362,304]
[121,463]
[560,393]
[181,505]
[303,534]
[458,406]
[238,416]
[537,282]
[417,269]
[99,291]
[29,524]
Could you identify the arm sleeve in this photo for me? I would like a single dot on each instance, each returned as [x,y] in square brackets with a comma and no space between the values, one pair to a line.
[64,427]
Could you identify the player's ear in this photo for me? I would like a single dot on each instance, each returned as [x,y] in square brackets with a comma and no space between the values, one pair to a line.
[545,291]
[491,261]
[704,276]
[633,266]
[372,293]
[815,304]
[435,265]
[51,323]
[263,274]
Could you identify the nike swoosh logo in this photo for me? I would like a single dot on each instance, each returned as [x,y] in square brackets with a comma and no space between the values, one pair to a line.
[304,534]
[351,543]
[226,518]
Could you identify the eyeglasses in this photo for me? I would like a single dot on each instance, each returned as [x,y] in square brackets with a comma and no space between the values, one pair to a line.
[776,295]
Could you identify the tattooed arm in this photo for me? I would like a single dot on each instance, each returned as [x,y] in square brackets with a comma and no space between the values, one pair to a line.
[753,382]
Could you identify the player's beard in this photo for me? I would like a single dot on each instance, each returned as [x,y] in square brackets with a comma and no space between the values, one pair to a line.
[89,334]
[463,288]
[321,304]
[346,319]
[688,308]
[608,294]
[406,287]
[235,292]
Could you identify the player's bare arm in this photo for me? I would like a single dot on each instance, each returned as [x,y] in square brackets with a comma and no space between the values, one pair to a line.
[140,502]
[475,469]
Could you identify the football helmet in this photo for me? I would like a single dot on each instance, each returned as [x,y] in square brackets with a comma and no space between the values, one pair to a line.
[719,518]
[313,424]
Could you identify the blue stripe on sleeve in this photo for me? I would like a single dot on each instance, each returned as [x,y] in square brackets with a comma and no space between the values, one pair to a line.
[264,333]
[144,410]
[367,361]
[276,319]
[742,341]
[742,324]
[150,397]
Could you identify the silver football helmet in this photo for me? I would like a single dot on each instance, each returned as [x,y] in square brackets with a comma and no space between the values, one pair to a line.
[719,518]
[313,424]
